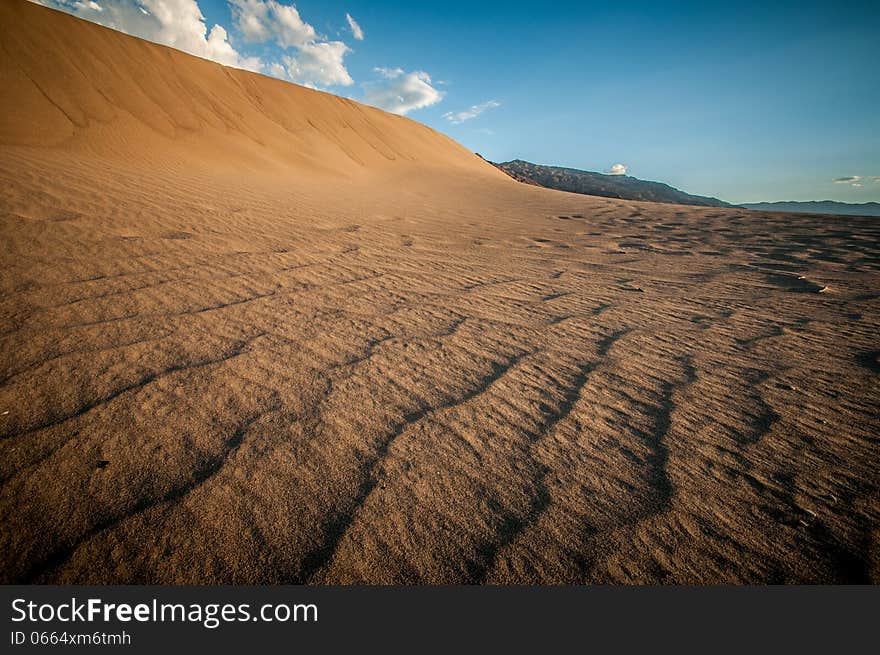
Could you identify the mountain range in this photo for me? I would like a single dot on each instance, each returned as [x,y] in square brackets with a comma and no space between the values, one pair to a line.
[631,188]
[600,184]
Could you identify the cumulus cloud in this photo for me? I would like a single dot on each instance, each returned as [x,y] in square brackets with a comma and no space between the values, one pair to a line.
[617,169]
[319,63]
[356,31]
[313,60]
[459,117]
[401,92]
[265,20]
[176,23]
[857,184]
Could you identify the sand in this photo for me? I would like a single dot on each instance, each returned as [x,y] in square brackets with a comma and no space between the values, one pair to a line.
[253,333]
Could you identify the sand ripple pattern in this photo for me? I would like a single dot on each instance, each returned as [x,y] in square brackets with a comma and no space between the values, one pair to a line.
[224,381]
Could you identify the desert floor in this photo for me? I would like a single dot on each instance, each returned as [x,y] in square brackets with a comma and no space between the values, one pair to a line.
[230,378]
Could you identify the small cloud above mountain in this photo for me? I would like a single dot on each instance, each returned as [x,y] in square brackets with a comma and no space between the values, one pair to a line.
[855,180]
[617,169]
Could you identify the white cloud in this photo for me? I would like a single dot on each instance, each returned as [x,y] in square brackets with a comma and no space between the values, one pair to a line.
[264,20]
[401,92]
[461,116]
[88,4]
[389,72]
[356,31]
[875,178]
[617,169]
[314,61]
[176,23]
[319,63]
[855,180]
[277,70]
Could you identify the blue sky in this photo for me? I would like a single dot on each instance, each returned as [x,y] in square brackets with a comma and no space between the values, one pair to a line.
[746,101]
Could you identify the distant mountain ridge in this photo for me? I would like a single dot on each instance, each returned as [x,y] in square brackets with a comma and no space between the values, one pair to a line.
[818,207]
[600,184]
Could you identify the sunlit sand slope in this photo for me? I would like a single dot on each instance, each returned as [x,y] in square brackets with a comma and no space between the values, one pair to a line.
[252,333]
[98,92]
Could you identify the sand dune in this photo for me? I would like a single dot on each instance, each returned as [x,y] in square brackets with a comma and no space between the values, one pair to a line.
[101,93]
[254,333]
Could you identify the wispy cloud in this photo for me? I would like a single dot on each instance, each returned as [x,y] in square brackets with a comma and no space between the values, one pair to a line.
[401,92]
[356,31]
[459,117]
[617,169]
[88,4]
[855,181]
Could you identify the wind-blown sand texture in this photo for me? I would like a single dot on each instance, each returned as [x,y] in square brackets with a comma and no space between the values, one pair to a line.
[253,333]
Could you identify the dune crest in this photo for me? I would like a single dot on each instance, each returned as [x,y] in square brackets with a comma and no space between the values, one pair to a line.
[77,85]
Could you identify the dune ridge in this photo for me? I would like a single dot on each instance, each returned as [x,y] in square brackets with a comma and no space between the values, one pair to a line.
[97,92]
[252,333]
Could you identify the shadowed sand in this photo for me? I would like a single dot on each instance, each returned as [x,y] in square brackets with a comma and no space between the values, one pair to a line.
[252,333]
